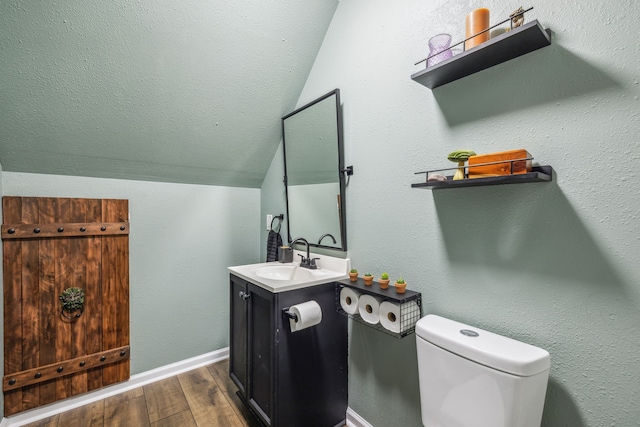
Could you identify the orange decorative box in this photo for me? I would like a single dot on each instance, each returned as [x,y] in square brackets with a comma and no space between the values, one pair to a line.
[497,169]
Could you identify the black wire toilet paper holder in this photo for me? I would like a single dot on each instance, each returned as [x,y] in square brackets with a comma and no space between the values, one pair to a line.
[409,313]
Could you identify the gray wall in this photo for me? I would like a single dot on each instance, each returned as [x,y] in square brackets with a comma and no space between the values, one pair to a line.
[2,298]
[188,91]
[273,200]
[183,238]
[556,265]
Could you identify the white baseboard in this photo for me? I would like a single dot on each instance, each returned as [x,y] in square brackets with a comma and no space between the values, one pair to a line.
[135,381]
[353,419]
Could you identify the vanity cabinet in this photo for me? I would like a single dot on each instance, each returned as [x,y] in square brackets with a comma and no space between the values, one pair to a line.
[285,378]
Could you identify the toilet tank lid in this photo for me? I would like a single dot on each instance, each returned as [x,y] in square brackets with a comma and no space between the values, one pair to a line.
[489,349]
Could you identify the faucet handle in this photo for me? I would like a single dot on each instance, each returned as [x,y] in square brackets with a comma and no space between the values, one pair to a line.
[303,260]
[312,263]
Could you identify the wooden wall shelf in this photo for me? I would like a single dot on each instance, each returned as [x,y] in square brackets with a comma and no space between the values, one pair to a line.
[538,174]
[519,41]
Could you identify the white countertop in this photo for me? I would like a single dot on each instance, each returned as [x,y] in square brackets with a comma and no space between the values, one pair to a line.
[291,275]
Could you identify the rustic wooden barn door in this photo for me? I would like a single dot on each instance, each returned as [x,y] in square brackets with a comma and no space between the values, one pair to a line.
[51,245]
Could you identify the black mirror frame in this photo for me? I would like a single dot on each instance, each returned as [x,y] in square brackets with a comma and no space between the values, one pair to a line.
[341,175]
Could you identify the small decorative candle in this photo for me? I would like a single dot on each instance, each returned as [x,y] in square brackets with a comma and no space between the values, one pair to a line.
[476,21]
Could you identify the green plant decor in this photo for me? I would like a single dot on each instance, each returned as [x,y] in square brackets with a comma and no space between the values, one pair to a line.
[460,156]
[368,275]
[384,276]
[72,299]
[400,280]
[353,271]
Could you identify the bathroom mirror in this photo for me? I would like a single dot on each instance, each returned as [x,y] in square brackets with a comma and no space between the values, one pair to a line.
[314,183]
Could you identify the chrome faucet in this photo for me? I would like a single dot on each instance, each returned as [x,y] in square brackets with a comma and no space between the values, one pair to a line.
[327,235]
[307,262]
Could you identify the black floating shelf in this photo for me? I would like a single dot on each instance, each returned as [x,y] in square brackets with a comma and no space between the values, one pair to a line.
[538,174]
[519,41]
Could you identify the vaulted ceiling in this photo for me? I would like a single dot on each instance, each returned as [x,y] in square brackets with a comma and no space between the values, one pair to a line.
[180,91]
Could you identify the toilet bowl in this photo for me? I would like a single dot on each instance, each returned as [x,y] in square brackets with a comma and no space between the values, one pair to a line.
[474,378]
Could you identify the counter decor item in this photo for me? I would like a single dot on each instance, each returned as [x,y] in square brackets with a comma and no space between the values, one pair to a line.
[353,275]
[500,163]
[517,17]
[460,156]
[439,49]
[285,254]
[477,22]
[368,279]
[384,281]
[434,177]
[400,285]
[498,32]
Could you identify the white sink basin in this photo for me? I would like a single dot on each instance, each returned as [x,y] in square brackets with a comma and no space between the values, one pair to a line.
[283,272]
[280,277]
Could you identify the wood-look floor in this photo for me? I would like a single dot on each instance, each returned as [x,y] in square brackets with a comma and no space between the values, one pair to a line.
[203,397]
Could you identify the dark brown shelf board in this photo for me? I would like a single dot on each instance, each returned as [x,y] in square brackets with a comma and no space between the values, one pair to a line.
[519,41]
[538,174]
[374,289]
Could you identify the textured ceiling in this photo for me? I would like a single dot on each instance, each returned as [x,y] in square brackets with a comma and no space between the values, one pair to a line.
[190,91]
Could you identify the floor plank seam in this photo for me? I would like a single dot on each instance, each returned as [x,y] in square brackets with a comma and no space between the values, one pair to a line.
[209,401]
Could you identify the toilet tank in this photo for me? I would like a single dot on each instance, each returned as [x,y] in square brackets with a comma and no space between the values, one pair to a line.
[474,378]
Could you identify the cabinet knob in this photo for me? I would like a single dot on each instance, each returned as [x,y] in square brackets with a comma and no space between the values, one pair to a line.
[244,295]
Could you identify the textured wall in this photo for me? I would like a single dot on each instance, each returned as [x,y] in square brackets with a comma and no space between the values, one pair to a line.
[188,91]
[273,200]
[183,238]
[1,297]
[556,265]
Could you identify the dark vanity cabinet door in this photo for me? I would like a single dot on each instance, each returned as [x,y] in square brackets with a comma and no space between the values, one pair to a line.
[288,379]
[261,350]
[238,333]
[252,341]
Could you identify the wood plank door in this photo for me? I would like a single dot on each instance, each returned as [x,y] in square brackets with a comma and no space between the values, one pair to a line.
[52,244]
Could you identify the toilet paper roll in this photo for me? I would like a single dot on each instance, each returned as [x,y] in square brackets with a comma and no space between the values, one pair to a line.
[369,307]
[390,315]
[349,300]
[309,314]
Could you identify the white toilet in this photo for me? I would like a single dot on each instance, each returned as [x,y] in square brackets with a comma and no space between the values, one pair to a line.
[474,378]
